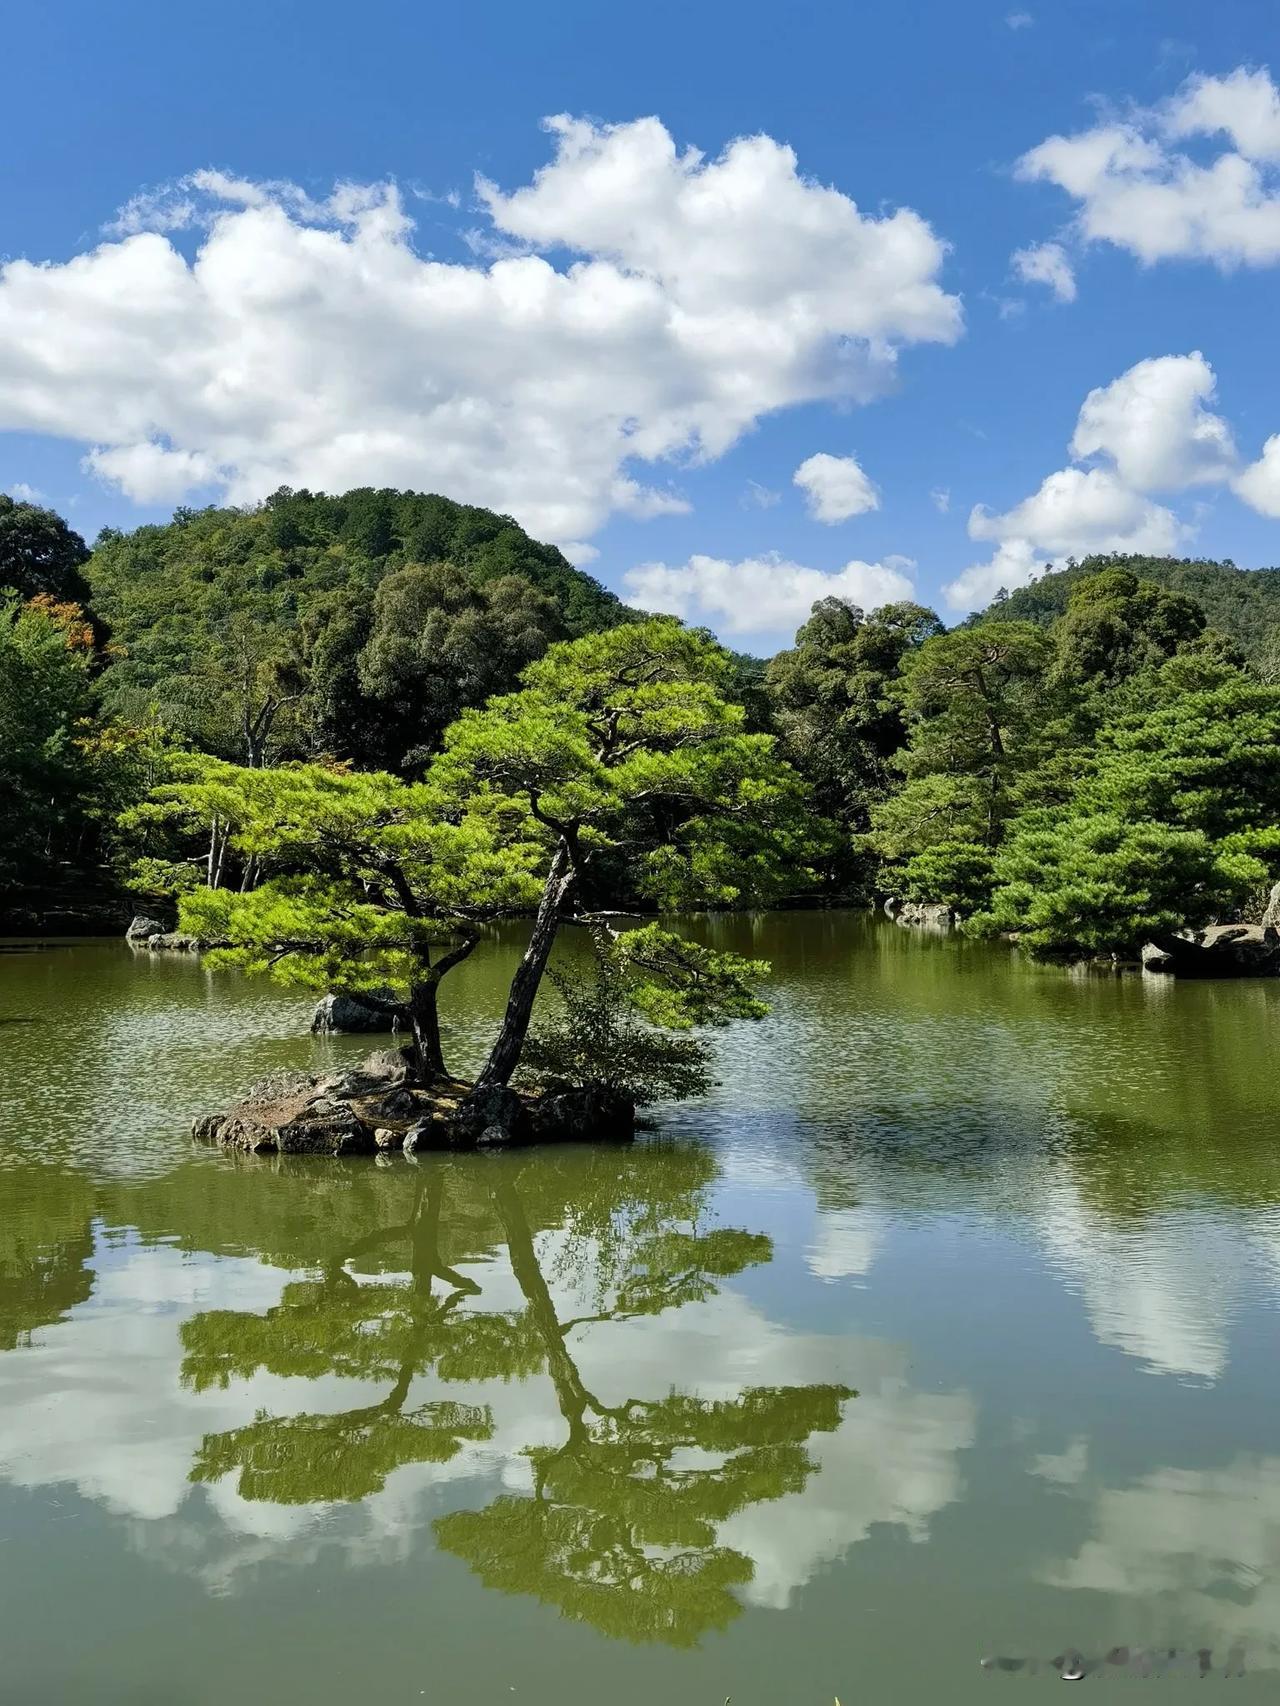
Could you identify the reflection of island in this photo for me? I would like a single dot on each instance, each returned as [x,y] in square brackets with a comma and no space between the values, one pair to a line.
[622,1526]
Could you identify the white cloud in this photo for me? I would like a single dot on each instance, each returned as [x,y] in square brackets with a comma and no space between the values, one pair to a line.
[579,552]
[1153,432]
[1064,1469]
[940,498]
[835,488]
[25,494]
[1047,263]
[1077,510]
[149,473]
[1245,105]
[845,1243]
[1153,424]
[761,595]
[1133,189]
[1014,563]
[1163,1293]
[308,343]
[1019,20]
[757,496]
[1074,513]
[1258,485]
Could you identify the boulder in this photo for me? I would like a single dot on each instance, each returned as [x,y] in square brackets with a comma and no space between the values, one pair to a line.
[490,1115]
[350,1013]
[142,929]
[1271,916]
[315,1127]
[438,1131]
[1221,950]
[174,942]
[932,915]
[378,1074]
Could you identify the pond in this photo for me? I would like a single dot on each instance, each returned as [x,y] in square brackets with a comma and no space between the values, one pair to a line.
[945,1329]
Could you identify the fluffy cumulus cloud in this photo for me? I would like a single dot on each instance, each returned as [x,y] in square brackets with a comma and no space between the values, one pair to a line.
[1196,177]
[1073,513]
[761,595]
[1047,264]
[309,343]
[1259,484]
[835,488]
[1154,425]
[1151,430]
[1013,563]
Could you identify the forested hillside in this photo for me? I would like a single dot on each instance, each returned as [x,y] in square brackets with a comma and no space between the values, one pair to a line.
[356,625]
[1243,604]
[354,628]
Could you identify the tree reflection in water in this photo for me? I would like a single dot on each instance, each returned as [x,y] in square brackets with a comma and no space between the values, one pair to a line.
[46,1244]
[620,1530]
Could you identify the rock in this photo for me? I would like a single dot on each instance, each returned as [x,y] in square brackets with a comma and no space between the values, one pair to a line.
[379,1073]
[1271,916]
[892,905]
[141,928]
[333,1134]
[491,1115]
[399,1104]
[291,1131]
[1156,959]
[1222,950]
[174,942]
[291,1113]
[583,1115]
[349,1013]
[932,915]
[437,1131]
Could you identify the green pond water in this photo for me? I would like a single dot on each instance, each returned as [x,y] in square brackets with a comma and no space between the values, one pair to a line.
[946,1328]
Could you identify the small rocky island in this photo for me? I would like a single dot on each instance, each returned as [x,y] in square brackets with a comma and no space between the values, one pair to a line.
[377,1108]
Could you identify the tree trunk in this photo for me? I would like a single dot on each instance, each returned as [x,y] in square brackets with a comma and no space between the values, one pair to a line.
[424,1013]
[424,1021]
[505,1055]
[218,833]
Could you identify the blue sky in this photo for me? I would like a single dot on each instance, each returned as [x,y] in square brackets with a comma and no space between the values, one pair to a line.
[707,326]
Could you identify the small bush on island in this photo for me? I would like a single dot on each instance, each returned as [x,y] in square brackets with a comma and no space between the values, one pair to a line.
[599,1034]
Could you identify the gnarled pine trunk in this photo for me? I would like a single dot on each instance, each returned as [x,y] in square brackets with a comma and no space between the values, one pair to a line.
[424,1012]
[505,1055]
[424,1023]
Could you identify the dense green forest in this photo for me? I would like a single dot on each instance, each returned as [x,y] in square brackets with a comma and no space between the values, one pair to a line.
[1095,757]
[1242,604]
